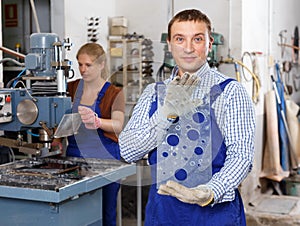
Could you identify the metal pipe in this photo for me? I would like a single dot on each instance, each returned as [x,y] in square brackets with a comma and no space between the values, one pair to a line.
[139,166]
[35,16]
[61,81]
[229,27]
[12,52]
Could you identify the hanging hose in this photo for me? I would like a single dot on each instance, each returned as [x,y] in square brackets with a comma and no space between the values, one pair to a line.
[13,61]
[254,73]
[253,64]
[256,85]
[256,81]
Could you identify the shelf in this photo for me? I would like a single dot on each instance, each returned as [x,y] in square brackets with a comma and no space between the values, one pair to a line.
[126,54]
[120,57]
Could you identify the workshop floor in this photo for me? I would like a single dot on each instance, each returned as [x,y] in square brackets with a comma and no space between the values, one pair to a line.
[129,196]
[129,204]
[275,210]
[129,222]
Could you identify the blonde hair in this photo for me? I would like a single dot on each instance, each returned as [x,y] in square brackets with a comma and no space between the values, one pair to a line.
[97,53]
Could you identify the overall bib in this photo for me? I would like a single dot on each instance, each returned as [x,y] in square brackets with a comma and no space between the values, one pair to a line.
[164,210]
[90,143]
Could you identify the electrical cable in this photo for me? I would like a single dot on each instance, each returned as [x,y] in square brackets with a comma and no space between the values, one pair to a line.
[257,86]
[252,64]
[29,94]
[18,76]
[32,134]
[255,71]
[12,60]
[14,79]
[12,154]
[255,79]
[160,73]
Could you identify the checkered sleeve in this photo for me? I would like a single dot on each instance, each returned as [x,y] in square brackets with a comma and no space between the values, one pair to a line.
[238,130]
[141,134]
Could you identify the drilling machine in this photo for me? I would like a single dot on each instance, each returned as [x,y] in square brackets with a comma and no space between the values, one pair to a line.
[37,101]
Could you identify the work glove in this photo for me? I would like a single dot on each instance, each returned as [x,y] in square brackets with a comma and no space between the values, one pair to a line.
[89,117]
[201,195]
[178,100]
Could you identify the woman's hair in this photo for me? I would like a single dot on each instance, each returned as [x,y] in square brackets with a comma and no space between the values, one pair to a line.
[97,53]
[190,15]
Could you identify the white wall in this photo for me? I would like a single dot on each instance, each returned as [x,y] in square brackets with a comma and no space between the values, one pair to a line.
[283,22]
[70,18]
[151,19]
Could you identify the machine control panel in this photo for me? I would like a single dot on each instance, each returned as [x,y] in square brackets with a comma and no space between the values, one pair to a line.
[5,107]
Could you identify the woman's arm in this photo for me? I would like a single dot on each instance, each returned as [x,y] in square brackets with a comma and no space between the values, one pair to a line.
[113,125]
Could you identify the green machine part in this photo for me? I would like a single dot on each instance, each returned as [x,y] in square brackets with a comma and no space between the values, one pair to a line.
[213,56]
[168,58]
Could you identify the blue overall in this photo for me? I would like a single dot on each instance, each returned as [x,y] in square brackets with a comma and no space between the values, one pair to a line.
[164,210]
[91,144]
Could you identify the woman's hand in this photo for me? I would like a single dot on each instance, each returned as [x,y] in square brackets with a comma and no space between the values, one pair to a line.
[89,118]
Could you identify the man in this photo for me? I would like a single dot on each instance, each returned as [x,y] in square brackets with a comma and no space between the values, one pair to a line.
[232,125]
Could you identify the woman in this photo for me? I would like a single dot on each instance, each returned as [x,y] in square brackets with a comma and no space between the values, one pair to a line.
[101,106]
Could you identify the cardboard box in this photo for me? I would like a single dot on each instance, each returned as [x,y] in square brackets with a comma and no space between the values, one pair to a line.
[119,22]
[118,30]
[116,52]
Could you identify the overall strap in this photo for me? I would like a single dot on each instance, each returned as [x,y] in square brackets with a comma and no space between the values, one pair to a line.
[153,107]
[224,83]
[217,89]
[100,96]
[97,106]
[77,96]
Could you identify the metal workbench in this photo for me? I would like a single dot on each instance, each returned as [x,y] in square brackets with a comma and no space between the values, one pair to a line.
[31,195]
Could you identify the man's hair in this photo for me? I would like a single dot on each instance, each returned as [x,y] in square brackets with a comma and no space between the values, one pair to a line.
[189,15]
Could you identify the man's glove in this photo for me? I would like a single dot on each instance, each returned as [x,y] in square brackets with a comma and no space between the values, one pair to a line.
[178,100]
[201,195]
[89,117]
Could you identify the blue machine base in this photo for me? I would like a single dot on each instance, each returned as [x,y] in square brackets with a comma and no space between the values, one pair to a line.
[82,210]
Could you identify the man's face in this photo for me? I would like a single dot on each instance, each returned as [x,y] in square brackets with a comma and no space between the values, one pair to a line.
[189,44]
